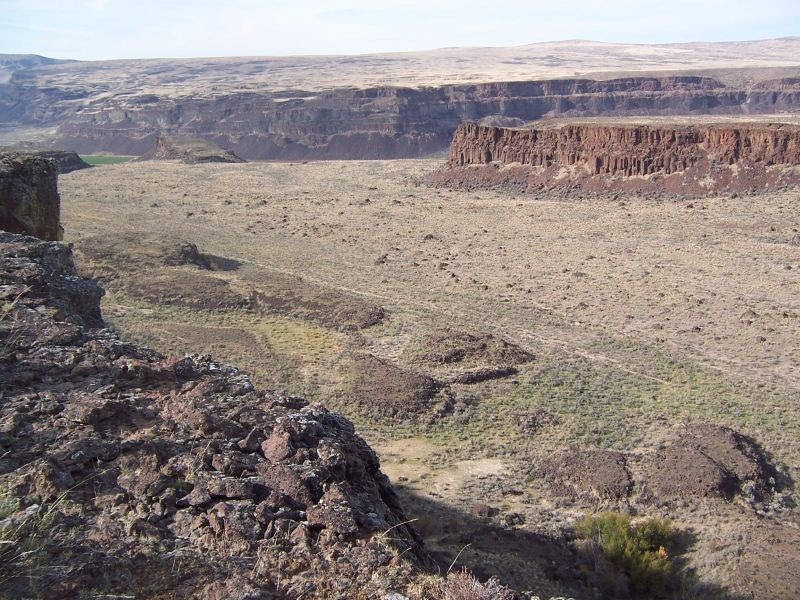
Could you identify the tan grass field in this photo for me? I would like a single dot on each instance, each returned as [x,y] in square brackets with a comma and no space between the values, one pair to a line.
[735,63]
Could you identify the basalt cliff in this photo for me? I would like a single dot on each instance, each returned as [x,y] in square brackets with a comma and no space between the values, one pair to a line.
[687,159]
[373,122]
[29,200]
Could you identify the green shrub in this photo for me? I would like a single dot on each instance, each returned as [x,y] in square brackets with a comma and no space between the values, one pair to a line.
[638,550]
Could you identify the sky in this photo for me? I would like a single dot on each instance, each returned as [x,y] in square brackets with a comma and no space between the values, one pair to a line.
[106,29]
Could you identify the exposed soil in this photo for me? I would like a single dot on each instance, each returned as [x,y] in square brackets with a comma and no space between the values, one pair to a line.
[599,474]
[449,346]
[386,390]
[711,461]
[768,569]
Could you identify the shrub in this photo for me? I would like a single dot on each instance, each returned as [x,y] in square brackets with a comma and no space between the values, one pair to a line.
[638,550]
[461,585]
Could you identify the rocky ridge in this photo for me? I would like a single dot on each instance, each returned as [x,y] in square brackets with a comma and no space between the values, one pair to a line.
[135,472]
[29,200]
[597,157]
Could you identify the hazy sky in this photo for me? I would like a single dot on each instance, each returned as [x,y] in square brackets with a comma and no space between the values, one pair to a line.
[99,29]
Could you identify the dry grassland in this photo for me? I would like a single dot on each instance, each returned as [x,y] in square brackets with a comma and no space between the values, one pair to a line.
[640,315]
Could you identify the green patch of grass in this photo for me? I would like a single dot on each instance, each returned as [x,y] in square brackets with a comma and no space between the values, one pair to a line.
[297,338]
[105,159]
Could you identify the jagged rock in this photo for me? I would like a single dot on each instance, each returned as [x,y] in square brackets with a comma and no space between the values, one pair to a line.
[597,475]
[29,200]
[712,461]
[135,453]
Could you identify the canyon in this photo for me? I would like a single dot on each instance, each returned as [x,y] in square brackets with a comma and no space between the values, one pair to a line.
[380,106]
[589,307]
[374,123]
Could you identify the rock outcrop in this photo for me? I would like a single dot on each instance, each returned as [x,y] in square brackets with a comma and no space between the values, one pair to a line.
[189,151]
[66,160]
[352,123]
[154,476]
[686,159]
[29,200]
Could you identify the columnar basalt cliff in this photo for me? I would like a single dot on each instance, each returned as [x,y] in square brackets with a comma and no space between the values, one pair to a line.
[350,123]
[687,159]
[29,200]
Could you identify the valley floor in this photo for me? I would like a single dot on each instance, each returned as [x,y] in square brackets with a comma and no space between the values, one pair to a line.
[472,335]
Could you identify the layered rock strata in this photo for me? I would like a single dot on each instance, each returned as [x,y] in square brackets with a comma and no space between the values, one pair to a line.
[351,123]
[605,156]
[139,474]
[29,200]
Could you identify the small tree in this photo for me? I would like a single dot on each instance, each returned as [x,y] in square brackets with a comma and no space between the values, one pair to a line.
[638,550]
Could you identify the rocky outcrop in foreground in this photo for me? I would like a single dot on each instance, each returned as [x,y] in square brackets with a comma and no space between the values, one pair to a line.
[597,157]
[29,200]
[128,472]
[66,160]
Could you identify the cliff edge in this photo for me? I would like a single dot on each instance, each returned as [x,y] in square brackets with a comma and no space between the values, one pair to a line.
[29,200]
[685,159]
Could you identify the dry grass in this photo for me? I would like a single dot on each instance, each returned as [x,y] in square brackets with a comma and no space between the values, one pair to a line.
[218,76]
[641,314]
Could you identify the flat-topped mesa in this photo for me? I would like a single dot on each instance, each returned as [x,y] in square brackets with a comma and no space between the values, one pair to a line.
[627,150]
[687,157]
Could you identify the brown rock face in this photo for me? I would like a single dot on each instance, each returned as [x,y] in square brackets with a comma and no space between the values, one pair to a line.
[685,158]
[29,200]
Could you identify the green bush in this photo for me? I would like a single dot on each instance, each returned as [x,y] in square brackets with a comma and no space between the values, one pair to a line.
[639,550]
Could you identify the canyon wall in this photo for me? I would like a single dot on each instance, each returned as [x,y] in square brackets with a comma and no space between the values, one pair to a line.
[351,123]
[29,200]
[604,156]
[626,150]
